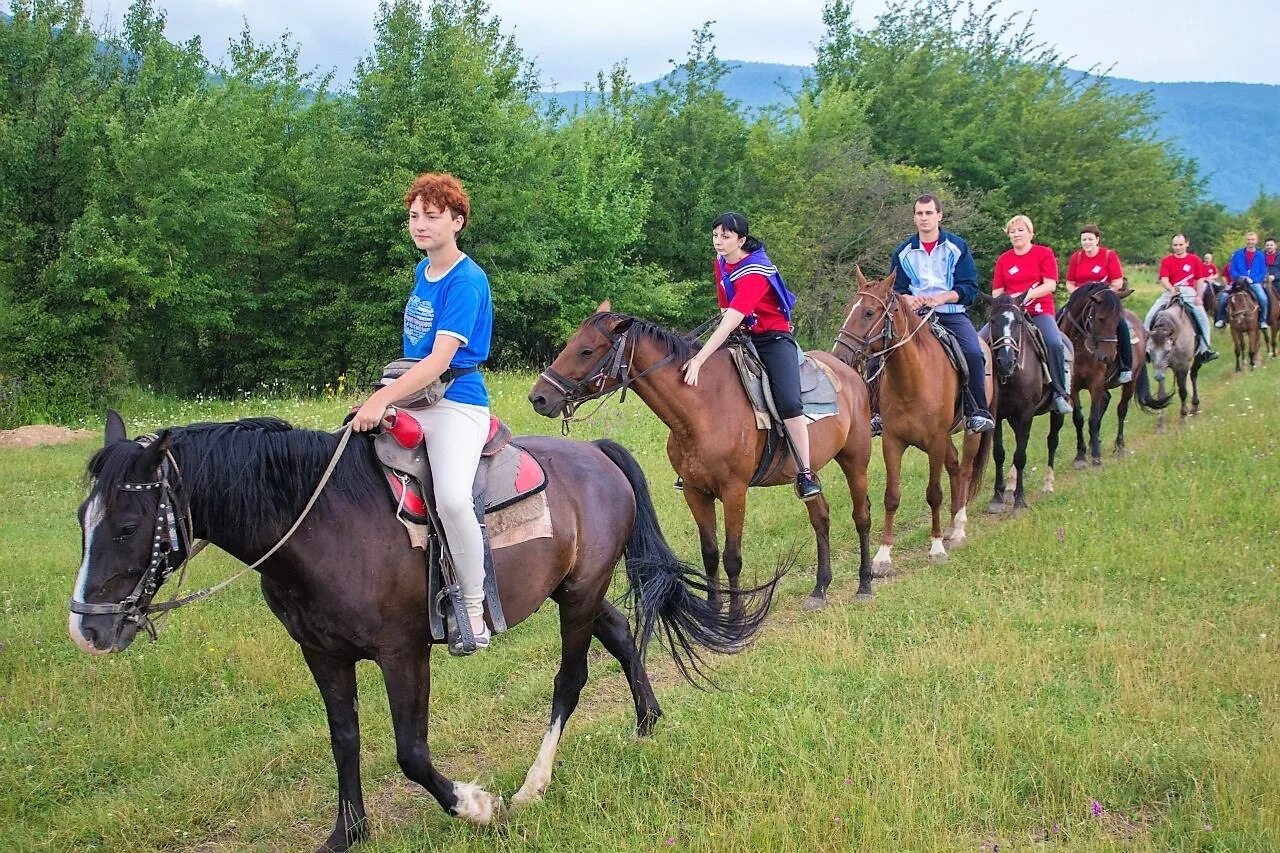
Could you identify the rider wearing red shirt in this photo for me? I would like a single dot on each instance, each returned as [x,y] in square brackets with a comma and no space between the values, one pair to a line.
[1093,263]
[1181,273]
[1031,269]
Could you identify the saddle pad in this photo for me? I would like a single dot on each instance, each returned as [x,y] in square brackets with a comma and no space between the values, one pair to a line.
[818,387]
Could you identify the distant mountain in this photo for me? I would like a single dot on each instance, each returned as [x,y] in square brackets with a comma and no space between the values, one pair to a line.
[1231,129]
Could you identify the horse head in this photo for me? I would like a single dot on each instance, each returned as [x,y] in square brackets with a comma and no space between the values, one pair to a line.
[868,321]
[1090,319]
[1242,305]
[1005,319]
[135,533]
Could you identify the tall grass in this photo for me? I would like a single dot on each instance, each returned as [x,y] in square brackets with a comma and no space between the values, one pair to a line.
[1102,672]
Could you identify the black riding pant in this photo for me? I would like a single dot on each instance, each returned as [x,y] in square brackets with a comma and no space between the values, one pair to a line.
[781,356]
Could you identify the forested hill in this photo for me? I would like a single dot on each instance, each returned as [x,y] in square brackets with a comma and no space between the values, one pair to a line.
[1231,129]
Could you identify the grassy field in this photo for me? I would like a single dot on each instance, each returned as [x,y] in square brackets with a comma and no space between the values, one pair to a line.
[1100,673]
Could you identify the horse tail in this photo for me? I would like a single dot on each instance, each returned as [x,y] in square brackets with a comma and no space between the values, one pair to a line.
[661,588]
[979,465]
[1142,392]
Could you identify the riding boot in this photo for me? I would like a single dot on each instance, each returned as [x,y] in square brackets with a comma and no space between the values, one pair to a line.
[1058,372]
[1124,348]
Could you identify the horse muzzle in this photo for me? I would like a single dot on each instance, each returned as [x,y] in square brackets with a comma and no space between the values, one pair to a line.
[101,634]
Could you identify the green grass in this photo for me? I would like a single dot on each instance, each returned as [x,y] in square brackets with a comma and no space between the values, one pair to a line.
[1117,645]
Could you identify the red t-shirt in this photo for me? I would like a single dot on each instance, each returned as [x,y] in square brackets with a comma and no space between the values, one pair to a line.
[1017,274]
[1185,270]
[1248,258]
[1104,266]
[1210,270]
[752,295]
[1269,258]
[928,247]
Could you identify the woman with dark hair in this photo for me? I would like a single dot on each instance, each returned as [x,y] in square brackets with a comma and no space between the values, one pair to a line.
[753,298]
[1094,262]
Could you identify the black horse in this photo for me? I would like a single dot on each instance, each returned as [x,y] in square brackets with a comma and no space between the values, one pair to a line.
[1023,393]
[348,586]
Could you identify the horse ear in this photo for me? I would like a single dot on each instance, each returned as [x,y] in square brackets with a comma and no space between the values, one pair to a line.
[985,297]
[623,324]
[115,428]
[862,279]
[151,457]
[604,307]
[893,276]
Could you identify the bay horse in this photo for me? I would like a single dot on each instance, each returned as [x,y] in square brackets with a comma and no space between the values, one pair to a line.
[714,444]
[1242,315]
[919,392]
[348,586]
[1270,334]
[1172,346]
[1023,394]
[1089,319]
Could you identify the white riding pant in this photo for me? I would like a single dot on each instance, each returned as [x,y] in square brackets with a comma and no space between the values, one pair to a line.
[1191,298]
[455,435]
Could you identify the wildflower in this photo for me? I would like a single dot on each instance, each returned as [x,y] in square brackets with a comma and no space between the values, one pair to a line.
[671,841]
[1095,807]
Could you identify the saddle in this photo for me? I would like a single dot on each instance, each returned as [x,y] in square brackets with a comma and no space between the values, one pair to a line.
[819,388]
[1041,350]
[951,346]
[506,476]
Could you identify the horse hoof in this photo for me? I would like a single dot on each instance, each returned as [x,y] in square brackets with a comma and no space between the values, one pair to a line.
[1096,462]
[997,507]
[1120,451]
[954,543]
[881,569]
[947,533]
[476,805]
[523,800]
[813,602]
[863,597]
[1079,464]
[938,557]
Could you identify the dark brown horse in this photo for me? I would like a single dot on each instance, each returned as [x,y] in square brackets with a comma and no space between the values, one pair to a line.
[919,395]
[1089,319]
[1242,315]
[348,586]
[1270,334]
[714,444]
[1023,393]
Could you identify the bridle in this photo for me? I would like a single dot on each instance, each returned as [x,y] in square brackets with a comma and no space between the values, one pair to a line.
[1008,340]
[1090,338]
[860,347]
[172,535]
[609,373]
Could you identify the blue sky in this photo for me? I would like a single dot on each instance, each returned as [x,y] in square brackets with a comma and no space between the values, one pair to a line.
[569,40]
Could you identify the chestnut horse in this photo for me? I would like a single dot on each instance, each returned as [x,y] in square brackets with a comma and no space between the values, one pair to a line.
[349,587]
[1242,315]
[1023,394]
[714,444]
[919,392]
[1089,319]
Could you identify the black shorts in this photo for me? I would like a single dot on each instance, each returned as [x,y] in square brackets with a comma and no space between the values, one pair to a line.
[781,356]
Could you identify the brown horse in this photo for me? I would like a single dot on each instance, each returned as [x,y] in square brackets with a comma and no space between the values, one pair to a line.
[1089,319]
[349,587]
[1242,315]
[1269,335]
[919,393]
[714,445]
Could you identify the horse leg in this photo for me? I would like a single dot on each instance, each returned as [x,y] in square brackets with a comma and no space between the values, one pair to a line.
[407,675]
[703,508]
[892,448]
[820,521]
[735,516]
[1022,434]
[955,534]
[1160,394]
[1122,411]
[933,494]
[1077,418]
[997,456]
[1181,377]
[1097,408]
[855,472]
[613,632]
[337,682]
[576,627]
[1195,388]
[1055,427]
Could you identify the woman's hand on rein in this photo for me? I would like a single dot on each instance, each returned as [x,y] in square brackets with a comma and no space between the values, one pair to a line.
[370,414]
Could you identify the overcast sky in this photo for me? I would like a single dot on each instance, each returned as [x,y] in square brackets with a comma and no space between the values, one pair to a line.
[569,40]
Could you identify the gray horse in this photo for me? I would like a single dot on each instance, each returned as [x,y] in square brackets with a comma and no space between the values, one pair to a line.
[1172,345]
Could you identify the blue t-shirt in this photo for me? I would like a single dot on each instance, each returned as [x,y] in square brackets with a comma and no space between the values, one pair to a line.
[459,305]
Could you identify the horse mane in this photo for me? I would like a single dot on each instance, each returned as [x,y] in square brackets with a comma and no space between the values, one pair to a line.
[259,471]
[1108,298]
[676,344]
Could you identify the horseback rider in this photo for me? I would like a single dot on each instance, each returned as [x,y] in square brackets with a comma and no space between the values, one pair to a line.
[1272,260]
[1031,271]
[934,269]
[448,325]
[1181,274]
[754,300]
[1251,265]
[1094,262]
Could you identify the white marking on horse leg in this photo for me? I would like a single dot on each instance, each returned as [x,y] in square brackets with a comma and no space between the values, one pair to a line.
[1010,484]
[937,553]
[475,804]
[539,775]
[959,525]
[882,559]
[1048,482]
[75,624]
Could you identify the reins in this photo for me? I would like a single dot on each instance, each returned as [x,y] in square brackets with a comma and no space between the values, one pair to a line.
[861,346]
[169,535]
